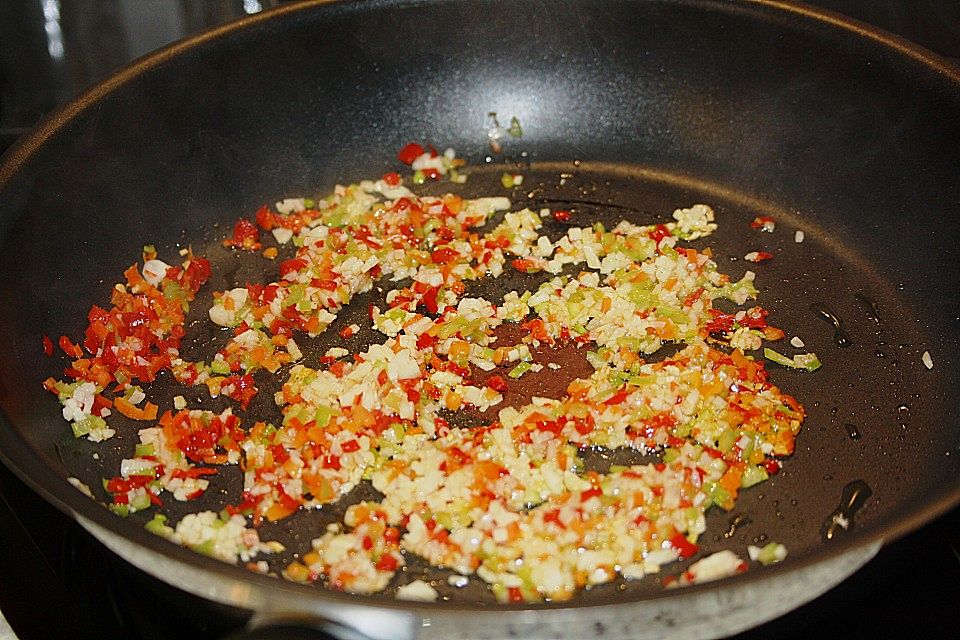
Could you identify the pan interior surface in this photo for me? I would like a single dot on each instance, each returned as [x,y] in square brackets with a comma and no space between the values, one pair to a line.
[629,115]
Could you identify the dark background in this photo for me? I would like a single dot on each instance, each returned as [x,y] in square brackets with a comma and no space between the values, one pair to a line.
[57,582]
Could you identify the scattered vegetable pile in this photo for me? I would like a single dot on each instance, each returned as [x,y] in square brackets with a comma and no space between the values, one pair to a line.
[511,501]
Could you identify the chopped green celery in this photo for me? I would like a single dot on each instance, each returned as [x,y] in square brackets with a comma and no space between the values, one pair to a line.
[173,291]
[337,217]
[670,454]
[140,502]
[743,287]
[309,203]
[519,370]
[600,438]
[88,424]
[671,313]
[448,329]
[205,547]
[682,430]
[80,428]
[269,431]
[323,414]
[121,510]
[499,592]
[220,367]
[670,252]
[146,471]
[641,381]
[66,390]
[726,440]
[158,525]
[643,298]
[149,248]
[457,518]
[636,249]
[396,432]
[717,494]
[804,361]
[607,241]
[753,475]
[298,412]
[129,391]
[771,553]
[507,180]
[418,177]
[594,359]
[397,314]
[618,378]
[515,130]
[618,468]
[295,293]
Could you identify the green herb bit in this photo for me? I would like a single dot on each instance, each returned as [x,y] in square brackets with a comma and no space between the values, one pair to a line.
[802,361]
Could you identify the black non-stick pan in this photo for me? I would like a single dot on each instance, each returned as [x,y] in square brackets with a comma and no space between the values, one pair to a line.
[629,110]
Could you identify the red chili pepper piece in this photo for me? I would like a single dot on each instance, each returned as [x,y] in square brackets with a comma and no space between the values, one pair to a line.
[497,383]
[562,216]
[387,563]
[683,546]
[444,255]
[659,233]
[525,264]
[590,493]
[291,266]
[245,236]
[761,222]
[409,153]
[758,256]
[617,398]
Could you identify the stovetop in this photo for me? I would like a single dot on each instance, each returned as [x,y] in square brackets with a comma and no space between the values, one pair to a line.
[56,581]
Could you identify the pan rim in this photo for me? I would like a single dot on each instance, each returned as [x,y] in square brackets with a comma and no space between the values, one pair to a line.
[30,466]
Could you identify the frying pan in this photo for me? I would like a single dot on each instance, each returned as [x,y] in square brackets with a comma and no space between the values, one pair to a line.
[629,109]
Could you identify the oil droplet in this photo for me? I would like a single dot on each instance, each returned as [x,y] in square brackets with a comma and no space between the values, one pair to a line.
[870,306]
[903,416]
[854,495]
[840,337]
[852,431]
[737,521]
